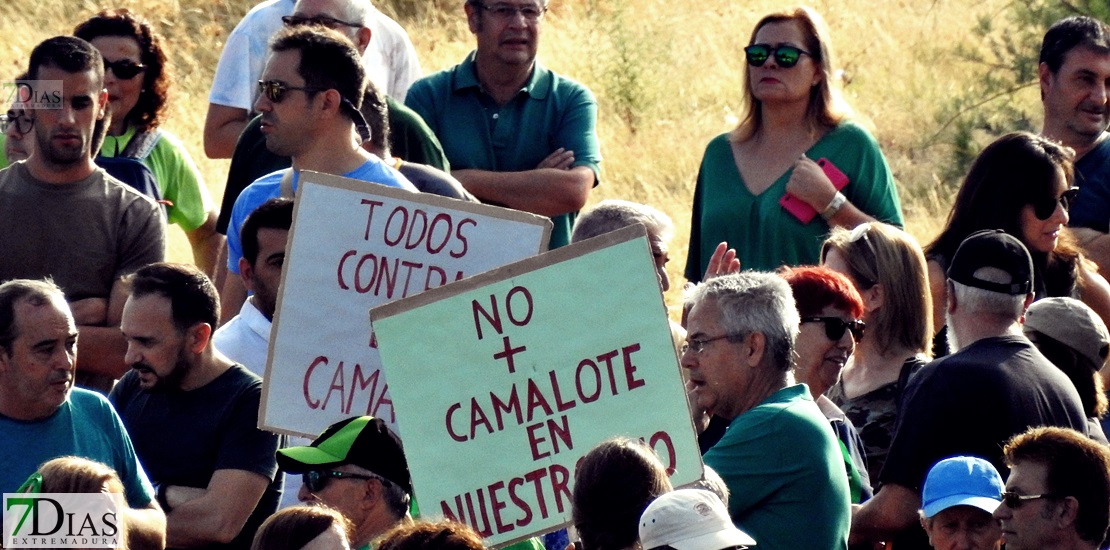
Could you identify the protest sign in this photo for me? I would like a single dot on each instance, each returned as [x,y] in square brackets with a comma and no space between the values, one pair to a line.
[531,366]
[354,245]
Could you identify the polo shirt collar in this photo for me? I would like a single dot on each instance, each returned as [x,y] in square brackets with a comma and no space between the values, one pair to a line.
[537,87]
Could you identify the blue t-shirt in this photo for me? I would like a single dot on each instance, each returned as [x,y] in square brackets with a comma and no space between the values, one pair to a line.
[85,425]
[1092,175]
[269,186]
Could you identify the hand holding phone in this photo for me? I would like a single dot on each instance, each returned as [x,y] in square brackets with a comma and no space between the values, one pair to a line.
[801,209]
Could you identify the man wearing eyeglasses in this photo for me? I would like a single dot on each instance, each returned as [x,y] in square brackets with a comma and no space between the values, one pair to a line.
[515,133]
[1056,496]
[357,466]
[971,402]
[1074,75]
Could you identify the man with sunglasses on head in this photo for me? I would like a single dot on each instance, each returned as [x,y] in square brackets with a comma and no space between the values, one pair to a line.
[1056,496]
[515,133]
[1074,75]
[390,61]
[65,218]
[310,95]
[357,466]
[971,402]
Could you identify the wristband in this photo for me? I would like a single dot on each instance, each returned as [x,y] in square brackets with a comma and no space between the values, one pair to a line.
[160,496]
[834,206]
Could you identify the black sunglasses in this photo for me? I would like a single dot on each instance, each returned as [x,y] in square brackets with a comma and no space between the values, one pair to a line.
[1046,207]
[322,20]
[124,68]
[835,327]
[785,56]
[316,480]
[275,90]
[22,123]
[1015,501]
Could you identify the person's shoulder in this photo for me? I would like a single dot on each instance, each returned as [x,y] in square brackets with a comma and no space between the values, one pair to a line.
[851,130]
[565,85]
[263,185]
[390,27]
[438,82]
[262,12]
[82,400]
[129,196]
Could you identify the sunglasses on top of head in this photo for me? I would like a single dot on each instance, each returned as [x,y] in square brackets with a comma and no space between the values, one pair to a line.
[785,56]
[835,327]
[124,68]
[1046,207]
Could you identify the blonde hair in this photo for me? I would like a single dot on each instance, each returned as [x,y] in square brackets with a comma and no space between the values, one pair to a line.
[827,107]
[881,254]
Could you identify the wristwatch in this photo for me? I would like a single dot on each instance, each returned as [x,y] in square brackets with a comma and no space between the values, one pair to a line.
[834,206]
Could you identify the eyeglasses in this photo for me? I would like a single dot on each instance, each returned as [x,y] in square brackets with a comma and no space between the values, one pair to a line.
[23,124]
[124,68]
[316,480]
[1046,207]
[322,20]
[697,345]
[835,327]
[785,56]
[507,11]
[1015,501]
[275,90]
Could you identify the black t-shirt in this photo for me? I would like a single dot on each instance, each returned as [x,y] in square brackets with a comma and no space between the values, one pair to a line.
[181,438]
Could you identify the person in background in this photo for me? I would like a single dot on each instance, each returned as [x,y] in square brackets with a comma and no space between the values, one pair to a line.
[690,519]
[304,528]
[429,535]
[959,496]
[793,117]
[16,125]
[137,78]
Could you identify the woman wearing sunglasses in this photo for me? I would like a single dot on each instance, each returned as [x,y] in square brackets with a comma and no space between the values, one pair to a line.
[138,80]
[1021,184]
[887,267]
[830,308]
[793,117]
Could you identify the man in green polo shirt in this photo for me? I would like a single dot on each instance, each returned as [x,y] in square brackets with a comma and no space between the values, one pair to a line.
[515,133]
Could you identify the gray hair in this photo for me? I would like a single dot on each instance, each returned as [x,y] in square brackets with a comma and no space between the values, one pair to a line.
[755,302]
[977,300]
[37,292]
[611,215]
[358,11]
[710,481]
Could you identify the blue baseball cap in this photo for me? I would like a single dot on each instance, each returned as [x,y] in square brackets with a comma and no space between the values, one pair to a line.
[961,481]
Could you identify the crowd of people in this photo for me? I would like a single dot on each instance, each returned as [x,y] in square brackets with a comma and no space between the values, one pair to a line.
[850,387]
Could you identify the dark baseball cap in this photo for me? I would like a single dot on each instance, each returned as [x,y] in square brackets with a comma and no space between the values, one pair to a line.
[993,248]
[363,441]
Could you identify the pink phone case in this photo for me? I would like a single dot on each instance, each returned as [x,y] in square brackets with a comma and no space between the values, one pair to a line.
[802,210]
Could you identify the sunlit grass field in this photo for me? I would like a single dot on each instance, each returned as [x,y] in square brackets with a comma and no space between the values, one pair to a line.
[667,76]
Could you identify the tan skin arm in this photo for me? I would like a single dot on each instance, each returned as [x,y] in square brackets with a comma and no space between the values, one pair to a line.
[146,527]
[102,346]
[222,127]
[891,510]
[938,287]
[809,183]
[216,514]
[551,189]
[1095,292]
[1096,246]
[206,243]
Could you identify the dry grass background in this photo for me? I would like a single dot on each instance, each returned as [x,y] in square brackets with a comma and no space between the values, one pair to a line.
[667,75]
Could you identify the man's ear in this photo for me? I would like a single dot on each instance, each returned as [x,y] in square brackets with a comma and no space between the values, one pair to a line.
[1067,512]
[198,337]
[1044,78]
[362,40]
[757,348]
[102,104]
[950,297]
[473,17]
[246,273]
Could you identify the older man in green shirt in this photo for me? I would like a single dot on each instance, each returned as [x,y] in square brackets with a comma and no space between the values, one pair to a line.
[515,133]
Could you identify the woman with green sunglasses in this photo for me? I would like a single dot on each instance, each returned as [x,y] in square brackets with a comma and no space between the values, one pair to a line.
[755,178]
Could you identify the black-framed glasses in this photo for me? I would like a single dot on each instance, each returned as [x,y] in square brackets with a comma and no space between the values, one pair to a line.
[697,345]
[124,68]
[1015,501]
[1046,207]
[316,480]
[23,124]
[508,11]
[785,56]
[322,20]
[275,90]
[835,327]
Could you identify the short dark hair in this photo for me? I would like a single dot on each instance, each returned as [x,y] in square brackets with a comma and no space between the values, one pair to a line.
[328,60]
[276,213]
[428,535]
[1077,467]
[149,111]
[193,297]
[613,485]
[296,526]
[1072,32]
[68,53]
[37,292]
[375,110]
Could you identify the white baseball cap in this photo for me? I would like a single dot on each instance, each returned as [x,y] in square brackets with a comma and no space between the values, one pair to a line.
[689,519]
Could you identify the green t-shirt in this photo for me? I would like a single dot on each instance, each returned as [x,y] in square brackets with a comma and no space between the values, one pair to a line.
[787,484]
[550,112]
[763,233]
[177,176]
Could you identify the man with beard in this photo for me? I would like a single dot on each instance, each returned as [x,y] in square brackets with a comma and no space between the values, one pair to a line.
[42,416]
[64,218]
[192,413]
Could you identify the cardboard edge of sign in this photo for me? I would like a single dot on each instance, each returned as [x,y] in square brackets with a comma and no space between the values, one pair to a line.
[516,269]
[308,177]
